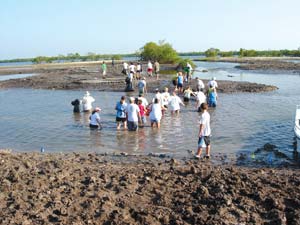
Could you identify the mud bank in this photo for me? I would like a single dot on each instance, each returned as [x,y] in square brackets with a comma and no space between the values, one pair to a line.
[271,64]
[89,77]
[94,189]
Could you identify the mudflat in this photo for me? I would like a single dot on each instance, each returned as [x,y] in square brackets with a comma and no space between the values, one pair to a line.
[88,76]
[87,188]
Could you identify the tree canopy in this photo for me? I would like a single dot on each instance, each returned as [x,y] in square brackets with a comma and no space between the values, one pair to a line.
[162,52]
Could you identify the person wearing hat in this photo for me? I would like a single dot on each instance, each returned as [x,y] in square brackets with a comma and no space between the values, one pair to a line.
[142,86]
[95,119]
[212,83]
[87,101]
[133,115]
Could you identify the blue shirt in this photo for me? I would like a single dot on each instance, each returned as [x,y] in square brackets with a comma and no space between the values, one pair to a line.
[180,79]
[121,109]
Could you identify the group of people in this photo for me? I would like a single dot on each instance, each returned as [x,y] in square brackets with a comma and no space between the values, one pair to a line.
[133,114]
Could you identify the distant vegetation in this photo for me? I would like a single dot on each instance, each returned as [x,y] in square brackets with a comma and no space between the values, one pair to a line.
[163,52]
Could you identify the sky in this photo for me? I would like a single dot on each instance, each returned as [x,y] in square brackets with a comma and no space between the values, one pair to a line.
[51,27]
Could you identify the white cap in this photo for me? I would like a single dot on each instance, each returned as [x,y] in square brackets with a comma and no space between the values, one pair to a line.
[87,93]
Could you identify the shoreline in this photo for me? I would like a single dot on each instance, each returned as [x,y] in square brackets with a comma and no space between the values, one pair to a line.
[273,64]
[75,188]
[75,76]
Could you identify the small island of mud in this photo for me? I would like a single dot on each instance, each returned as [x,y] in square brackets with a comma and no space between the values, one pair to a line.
[87,76]
[89,188]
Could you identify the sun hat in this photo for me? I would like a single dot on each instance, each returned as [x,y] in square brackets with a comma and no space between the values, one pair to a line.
[97,109]
[131,98]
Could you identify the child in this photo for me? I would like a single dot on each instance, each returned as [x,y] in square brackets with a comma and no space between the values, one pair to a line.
[142,111]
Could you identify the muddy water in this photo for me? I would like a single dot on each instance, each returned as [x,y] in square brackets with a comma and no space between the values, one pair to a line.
[31,119]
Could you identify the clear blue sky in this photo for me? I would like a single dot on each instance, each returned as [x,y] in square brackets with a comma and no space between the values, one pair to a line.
[51,27]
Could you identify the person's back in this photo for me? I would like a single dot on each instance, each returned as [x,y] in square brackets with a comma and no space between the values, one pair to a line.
[87,101]
[212,97]
[76,104]
[155,113]
[200,98]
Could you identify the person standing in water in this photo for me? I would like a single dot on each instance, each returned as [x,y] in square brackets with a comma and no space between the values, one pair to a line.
[87,101]
[204,132]
[121,113]
[156,113]
[174,103]
[95,122]
[76,104]
[133,115]
[149,68]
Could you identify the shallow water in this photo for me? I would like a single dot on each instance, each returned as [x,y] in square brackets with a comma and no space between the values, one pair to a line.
[31,119]
[15,76]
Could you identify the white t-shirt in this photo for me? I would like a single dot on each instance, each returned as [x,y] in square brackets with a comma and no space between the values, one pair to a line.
[165,98]
[125,65]
[205,120]
[155,113]
[150,65]
[138,67]
[212,83]
[94,119]
[132,111]
[174,103]
[201,98]
[189,66]
[200,84]
[132,68]
[87,102]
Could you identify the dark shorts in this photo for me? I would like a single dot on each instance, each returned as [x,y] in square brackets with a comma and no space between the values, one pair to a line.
[185,99]
[179,85]
[132,126]
[94,126]
[120,119]
[206,140]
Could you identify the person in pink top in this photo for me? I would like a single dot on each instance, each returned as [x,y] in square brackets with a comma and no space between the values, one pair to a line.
[142,111]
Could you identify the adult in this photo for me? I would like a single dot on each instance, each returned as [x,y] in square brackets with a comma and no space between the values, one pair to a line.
[200,98]
[175,103]
[180,82]
[142,87]
[104,68]
[189,71]
[149,68]
[204,132]
[87,101]
[113,62]
[121,113]
[156,69]
[200,84]
[212,96]
[144,100]
[132,68]
[165,96]
[187,94]
[156,113]
[212,83]
[95,121]
[76,104]
[138,71]
[125,68]
[133,115]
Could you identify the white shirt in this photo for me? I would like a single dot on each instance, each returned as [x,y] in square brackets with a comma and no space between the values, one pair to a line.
[189,66]
[165,98]
[87,102]
[125,65]
[174,103]
[212,83]
[205,121]
[132,68]
[155,113]
[94,119]
[201,98]
[150,65]
[200,84]
[132,111]
[139,67]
